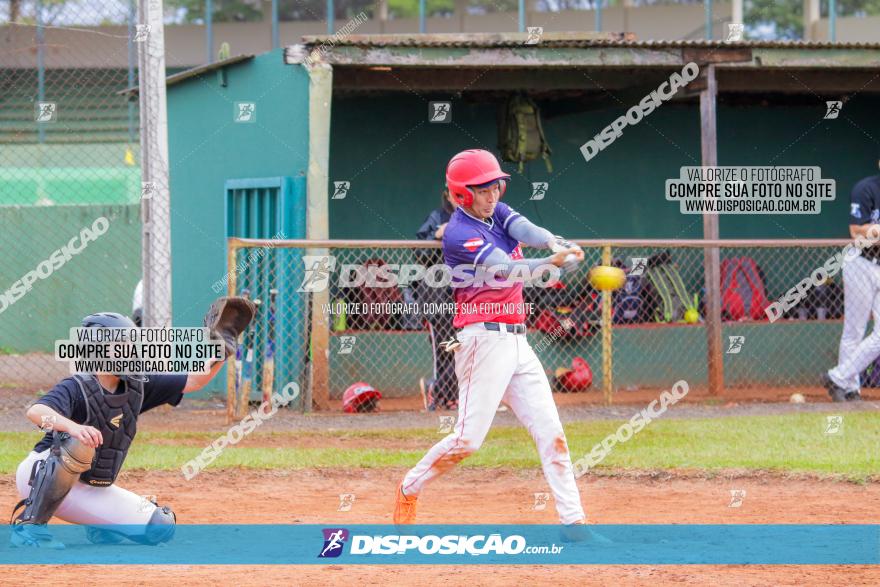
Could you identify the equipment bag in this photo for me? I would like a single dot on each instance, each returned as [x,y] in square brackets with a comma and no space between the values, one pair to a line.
[671,299]
[742,290]
[520,134]
[824,302]
[628,302]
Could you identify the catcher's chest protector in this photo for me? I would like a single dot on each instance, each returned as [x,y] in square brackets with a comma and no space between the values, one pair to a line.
[115,415]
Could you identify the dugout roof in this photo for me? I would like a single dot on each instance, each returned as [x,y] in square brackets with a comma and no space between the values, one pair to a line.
[583,62]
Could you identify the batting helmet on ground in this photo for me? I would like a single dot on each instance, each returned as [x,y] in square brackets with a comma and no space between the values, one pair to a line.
[578,378]
[474,167]
[360,397]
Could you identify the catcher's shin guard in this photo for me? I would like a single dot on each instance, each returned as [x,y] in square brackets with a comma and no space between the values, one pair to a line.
[159,529]
[52,479]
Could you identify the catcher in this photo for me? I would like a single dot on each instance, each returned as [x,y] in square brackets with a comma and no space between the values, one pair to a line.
[90,421]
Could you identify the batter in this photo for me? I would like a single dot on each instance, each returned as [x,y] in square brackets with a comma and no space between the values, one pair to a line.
[494,362]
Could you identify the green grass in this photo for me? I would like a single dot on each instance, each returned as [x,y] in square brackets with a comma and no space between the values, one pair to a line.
[794,443]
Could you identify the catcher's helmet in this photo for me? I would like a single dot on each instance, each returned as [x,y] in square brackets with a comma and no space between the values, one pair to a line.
[360,397]
[112,320]
[107,320]
[474,167]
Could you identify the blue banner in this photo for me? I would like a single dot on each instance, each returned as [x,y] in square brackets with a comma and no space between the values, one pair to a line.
[763,544]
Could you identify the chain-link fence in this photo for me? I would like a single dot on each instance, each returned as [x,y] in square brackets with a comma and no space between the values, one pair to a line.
[70,180]
[353,312]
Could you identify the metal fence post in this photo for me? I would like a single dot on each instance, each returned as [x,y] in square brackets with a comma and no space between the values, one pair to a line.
[41,65]
[607,348]
[209,30]
[155,210]
[708,10]
[331,25]
[275,39]
[711,255]
[832,20]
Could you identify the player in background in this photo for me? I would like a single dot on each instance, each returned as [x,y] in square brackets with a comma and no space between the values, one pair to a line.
[494,361]
[861,296]
[441,389]
[90,420]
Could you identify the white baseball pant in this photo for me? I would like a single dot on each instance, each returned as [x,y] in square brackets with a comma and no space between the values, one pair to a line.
[90,505]
[493,366]
[861,298]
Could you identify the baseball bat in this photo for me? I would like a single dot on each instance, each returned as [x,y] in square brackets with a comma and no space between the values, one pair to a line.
[247,370]
[239,351]
[269,362]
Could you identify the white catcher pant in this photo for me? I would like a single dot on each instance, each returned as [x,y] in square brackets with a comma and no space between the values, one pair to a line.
[491,367]
[90,505]
[861,298]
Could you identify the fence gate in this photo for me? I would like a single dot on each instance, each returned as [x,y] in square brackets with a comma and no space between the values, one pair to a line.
[271,353]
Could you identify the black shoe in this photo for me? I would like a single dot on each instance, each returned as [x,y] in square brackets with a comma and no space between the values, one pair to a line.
[837,393]
[853,396]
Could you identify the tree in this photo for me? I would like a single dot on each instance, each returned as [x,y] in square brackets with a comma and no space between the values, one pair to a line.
[14,10]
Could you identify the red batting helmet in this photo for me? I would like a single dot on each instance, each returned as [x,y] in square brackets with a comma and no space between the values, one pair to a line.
[360,397]
[578,378]
[473,167]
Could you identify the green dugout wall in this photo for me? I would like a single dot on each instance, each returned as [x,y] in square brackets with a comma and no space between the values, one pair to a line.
[618,194]
[208,148]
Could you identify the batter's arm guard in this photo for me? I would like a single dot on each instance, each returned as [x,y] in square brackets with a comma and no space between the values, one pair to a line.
[523,230]
[227,318]
[53,478]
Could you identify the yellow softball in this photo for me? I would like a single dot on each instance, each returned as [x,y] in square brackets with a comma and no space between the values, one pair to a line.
[606,278]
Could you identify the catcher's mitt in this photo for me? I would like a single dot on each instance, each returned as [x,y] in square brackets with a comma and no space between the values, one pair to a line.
[227,318]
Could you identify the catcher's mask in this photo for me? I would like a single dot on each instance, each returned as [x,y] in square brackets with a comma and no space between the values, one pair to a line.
[360,397]
[113,320]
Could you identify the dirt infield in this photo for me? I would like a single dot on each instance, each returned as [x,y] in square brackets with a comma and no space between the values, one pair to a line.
[482,496]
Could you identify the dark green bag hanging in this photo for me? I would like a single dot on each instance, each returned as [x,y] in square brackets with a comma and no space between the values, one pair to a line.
[520,134]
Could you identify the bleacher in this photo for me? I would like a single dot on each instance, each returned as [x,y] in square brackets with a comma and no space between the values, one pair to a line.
[90,153]
[88,110]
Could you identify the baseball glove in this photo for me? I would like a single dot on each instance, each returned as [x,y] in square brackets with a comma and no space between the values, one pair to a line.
[227,318]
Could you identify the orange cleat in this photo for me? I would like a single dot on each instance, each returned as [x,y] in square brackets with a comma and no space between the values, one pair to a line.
[405,507]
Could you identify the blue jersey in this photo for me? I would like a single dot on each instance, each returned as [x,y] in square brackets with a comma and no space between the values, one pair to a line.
[467,242]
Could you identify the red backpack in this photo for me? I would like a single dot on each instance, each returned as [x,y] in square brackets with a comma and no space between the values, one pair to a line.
[742,290]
